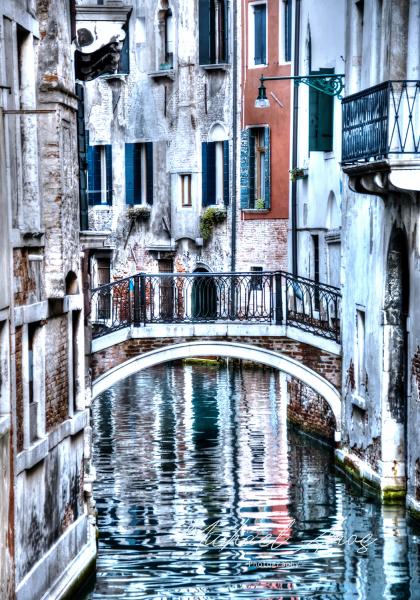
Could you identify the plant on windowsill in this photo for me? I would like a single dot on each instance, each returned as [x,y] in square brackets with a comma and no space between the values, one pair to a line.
[211,217]
[260,204]
[139,213]
[298,173]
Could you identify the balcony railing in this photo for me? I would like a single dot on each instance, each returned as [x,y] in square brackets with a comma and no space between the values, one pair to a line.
[266,297]
[382,121]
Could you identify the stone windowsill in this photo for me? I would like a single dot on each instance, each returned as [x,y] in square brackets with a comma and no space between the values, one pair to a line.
[255,211]
[39,449]
[163,74]
[32,239]
[216,67]
[101,207]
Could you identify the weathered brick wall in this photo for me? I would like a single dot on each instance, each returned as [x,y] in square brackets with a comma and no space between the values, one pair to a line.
[56,376]
[327,365]
[262,243]
[19,389]
[24,280]
[309,411]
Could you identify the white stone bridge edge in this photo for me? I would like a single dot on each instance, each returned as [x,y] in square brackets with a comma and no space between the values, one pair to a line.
[237,350]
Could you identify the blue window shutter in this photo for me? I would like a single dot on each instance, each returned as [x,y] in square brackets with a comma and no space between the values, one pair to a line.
[321,108]
[149,173]
[267,175]
[204,32]
[124,64]
[108,164]
[252,172]
[129,173]
[225,58]
[226,172]
[244,168]
[94,174]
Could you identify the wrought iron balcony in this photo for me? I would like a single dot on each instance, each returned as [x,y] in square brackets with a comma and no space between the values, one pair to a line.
[382,122]
[266,297]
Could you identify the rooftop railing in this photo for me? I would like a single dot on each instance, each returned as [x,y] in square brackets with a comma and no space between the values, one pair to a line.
[271,297]
[381,122]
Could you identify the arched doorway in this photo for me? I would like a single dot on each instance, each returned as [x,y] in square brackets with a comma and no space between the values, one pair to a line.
[396,306]
[204,297]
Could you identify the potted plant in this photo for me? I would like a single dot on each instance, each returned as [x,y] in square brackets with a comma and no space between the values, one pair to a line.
[139,213]
[298,173]
[211,217]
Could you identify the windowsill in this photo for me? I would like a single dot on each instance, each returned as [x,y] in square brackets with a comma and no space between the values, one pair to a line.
[101,206]
[163,74]
[257,66]
[120,76]
[216,67]
[358,401]
[32,239]
[329,155]
[256,211]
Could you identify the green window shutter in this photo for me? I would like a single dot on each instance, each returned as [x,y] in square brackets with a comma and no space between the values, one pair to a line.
[267,173]
[94,174]
[244,168]
[203,173]
[149,173]
[129,173]
[204,33]
[321,108]
[108,169]
[226,172]
[251,173]
[225,56]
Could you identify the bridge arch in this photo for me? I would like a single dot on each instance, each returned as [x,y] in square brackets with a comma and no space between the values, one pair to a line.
[228,350]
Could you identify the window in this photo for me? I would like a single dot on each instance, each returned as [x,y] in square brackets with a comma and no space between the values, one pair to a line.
[139,173]
[287,31]
[100,175]
[255,168]
[186,189]
[360,358]
[169,39]
[315,244]
[104,276]
[320,118]
[213,19]
[258,34]
[256,280]
[215,176]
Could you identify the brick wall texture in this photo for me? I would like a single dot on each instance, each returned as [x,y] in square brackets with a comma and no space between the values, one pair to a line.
[56,374]
[309,411]
[262,243]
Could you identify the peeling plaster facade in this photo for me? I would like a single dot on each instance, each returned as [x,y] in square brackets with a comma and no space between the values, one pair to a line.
[45,525]
[176,109]
[380,274]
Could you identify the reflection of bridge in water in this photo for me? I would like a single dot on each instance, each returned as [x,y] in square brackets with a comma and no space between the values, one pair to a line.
[258,297]
[274,318]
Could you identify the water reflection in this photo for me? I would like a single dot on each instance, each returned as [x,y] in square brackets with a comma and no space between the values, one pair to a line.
[203,492]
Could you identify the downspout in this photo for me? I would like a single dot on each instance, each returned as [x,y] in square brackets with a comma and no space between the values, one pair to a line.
[234,132]
[295,121]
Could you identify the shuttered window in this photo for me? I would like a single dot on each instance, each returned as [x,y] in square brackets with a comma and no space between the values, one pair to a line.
[321,110]
[260,34]
[255,168]
[213,30]
[99,159]
[139,173]
[215,173]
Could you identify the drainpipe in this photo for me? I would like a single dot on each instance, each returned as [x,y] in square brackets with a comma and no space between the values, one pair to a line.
[295,121]
[234,132]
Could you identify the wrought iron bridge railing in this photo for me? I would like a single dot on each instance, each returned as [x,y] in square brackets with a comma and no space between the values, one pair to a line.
[381,121]
[257,297]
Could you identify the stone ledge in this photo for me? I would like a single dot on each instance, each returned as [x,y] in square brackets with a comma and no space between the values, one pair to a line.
[39,450]
[4,424]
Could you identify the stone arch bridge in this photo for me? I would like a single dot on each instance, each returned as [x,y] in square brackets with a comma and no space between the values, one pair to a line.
[273,318]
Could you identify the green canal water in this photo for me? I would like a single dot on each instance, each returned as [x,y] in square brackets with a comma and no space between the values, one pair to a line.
[203,492]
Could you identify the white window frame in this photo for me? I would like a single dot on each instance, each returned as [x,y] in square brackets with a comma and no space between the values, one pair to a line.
[182,178]
[219,172]
[251,35]
[360,353]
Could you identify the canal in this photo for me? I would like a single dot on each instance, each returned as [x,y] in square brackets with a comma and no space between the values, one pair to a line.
[204,492]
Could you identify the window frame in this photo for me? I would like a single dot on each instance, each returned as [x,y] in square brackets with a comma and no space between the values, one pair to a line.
[141,153]
[105,175]
[188,178]
[251,35]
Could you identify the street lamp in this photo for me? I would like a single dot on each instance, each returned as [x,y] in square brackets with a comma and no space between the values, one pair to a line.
[330,84]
